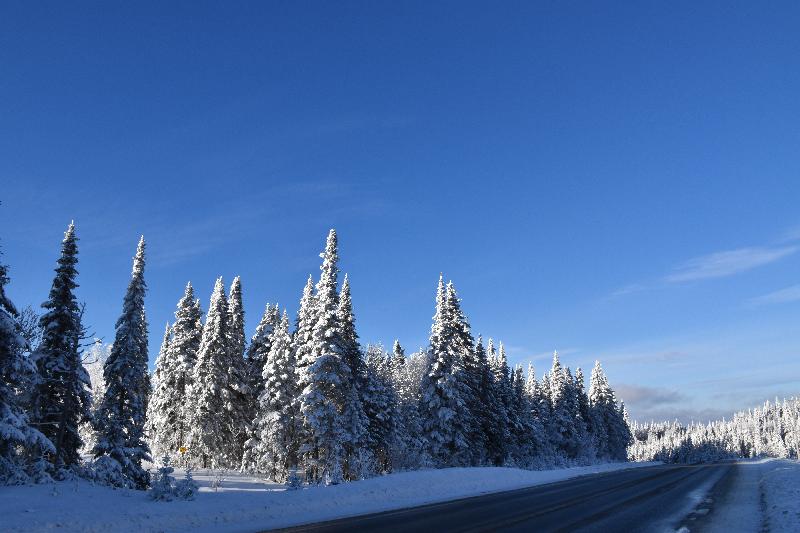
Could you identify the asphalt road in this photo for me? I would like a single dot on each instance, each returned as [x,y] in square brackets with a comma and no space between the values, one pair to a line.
[643,499]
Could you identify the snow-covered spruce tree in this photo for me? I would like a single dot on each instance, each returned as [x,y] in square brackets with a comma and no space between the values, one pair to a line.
[540,413]
[408,447]
[492,418]
[258,351]
[274,449]
[501,375]
[211,394]
[571,401]
[398,361]
[522,431]
[120,420]
[236,312]
[357,461]
[563,432]
[464,346]
[304,326]
[443,406]
[21,445]
[62,400]
[584,414]
[240,415]
[615,435]
[170,406]
[326,398]
[380,404]
[158,408]
[257,355]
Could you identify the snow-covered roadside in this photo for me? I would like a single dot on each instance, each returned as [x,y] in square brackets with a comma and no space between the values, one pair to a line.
[764,492]
[780,485]
[248,504]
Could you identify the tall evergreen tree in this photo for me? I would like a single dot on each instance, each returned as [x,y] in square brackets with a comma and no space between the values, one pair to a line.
[274,446]
[212,395]
[380,404]
[304,326]
[502,385]
[613,433]
[21,445]
[443,404]
[258,351]
[62,397]
[492,418]
[326,398]
[161,411]
[583,414]
[469,378]
[171,411]
[121,416]
[257,355]
[540,413]
[236,313]
[563,430]
[240,404]
[357,421]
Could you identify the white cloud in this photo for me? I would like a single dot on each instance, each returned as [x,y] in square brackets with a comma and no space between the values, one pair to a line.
[788,294]
[728,263]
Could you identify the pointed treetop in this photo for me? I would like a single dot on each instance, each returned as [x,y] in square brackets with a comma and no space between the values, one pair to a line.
[490,351]
[556,361]
[331,245]
[440,293]
[219,291]
[138,260]
[398,353]
[345,291]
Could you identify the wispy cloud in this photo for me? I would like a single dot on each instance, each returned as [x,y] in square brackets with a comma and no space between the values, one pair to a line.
[628,289]
[639,396]
[728,263]
[787,294]
[792,234]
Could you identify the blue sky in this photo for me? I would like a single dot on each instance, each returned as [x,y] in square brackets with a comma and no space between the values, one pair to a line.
[615,181]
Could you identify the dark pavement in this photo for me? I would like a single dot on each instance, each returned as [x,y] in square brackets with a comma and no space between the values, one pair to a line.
[641,499]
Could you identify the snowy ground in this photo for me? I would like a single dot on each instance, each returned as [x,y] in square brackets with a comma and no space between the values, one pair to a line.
[764,495]
[245,503]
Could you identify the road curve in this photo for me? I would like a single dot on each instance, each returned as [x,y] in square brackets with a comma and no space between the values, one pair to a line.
[641,499]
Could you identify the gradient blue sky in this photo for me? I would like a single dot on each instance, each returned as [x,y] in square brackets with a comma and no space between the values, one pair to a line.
[615,180]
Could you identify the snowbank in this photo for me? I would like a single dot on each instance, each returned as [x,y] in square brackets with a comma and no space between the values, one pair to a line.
[762,495]
[780,486]
[245,503]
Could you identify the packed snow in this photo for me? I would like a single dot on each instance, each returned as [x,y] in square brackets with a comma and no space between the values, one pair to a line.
[245,503]
[763,496]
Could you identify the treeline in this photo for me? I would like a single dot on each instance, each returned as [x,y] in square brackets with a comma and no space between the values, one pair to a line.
[301,399]
[772,430]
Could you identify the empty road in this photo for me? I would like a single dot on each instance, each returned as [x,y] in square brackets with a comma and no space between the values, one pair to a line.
[642,499]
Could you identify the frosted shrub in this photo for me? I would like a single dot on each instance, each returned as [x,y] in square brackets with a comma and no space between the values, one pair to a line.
[161,489]
[166,489]
[186,488]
